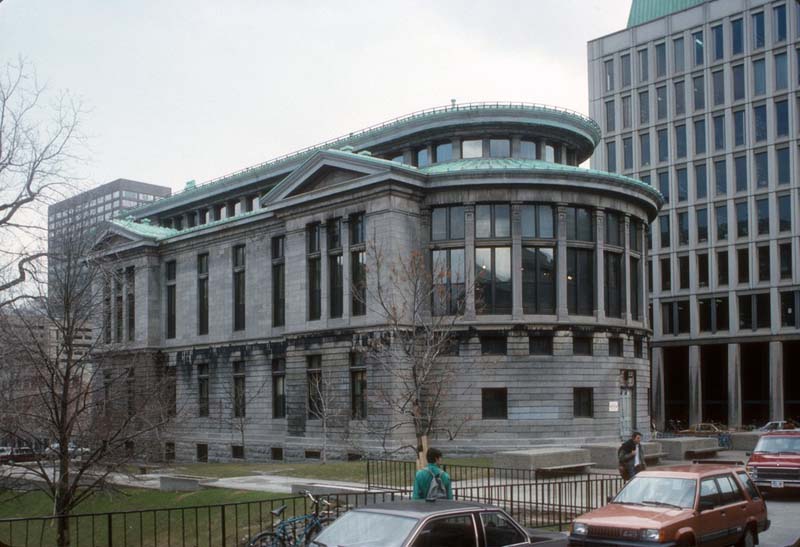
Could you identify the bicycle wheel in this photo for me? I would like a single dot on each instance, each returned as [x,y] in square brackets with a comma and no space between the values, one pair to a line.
[267,539]
[316,530]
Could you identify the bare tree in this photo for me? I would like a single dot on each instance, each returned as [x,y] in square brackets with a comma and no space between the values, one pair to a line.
[38,142]
[238,398]
[325,403]
[421,306]
[95,410]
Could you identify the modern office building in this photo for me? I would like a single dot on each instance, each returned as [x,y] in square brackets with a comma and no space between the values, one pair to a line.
[700,100]
[256,286]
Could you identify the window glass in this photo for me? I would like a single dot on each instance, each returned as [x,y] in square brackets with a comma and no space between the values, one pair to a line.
[680,98]
[663,145]
[758,30]
[644,149]
[664,231]
[717,36]
[644,69]
[625,61]
[611,157]
[679,54]
[782,118]
[702,225]
[527,150]
[729,490]
[762,209]
[627,153]
[709,492]
[741,219]
[661,102]
[700,181]
[719,132]
[683,184]
[666,275]
[762,169]
[644,108]
[661,60]
[609,73]
[738,82]
[781,71]
[680,141]
[444,152]
[760,117]
[580,224]
[779,23]
[700,136]
[720,177]
[697,38]
[538,280]
[472,149]
[740,173]
[663,185]
[759,77]
[483,221]
[749,486]
[784,213]
[699,92]
[423,158]
[499,148]
[738,128]
[494,406]
[737,37]
[500,531]
[718,86]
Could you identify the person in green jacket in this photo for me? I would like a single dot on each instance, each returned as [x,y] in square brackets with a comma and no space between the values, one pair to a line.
[423,478]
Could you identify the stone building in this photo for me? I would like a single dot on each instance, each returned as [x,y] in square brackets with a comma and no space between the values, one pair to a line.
[699,99]
[246,286]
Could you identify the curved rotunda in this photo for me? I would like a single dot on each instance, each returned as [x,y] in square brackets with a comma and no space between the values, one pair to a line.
[261,274]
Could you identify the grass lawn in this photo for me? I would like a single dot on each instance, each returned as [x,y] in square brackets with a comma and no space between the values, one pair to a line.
[201,527]
[333,470]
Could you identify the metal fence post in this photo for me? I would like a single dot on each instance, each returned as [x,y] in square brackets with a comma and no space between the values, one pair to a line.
[224,534]
[110,530]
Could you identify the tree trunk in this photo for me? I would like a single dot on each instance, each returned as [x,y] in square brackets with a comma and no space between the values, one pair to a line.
[422,446]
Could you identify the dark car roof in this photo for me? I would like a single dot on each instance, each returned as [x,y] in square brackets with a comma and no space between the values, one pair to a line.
[421,508]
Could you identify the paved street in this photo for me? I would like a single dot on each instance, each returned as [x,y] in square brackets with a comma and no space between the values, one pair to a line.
[784,512]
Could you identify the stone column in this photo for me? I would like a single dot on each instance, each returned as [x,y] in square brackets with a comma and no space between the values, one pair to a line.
[657,389]
[408,156]
[516,261]
[643,286]
[626,269]
[324,312]
[347,279]
[599,262]
[561,267]
[695,386]
[456,148]
[540,144]
[734,385]
[245,204]
[776,409]
[515,146]
[469,260]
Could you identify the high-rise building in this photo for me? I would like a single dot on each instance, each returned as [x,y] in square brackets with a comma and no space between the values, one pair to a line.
[699,98]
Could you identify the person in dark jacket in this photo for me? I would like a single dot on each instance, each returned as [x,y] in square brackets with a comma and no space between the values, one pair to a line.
[631,457]
[423,478]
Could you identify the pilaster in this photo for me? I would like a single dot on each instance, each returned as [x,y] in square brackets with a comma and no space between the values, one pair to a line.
[469,260]
[776,410]
[734,386]
[600,274]
[695,386]
[561,268]
[516,261]
[657,389]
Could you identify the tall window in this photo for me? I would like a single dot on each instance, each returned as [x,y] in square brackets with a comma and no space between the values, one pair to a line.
[538,221]
[494,403]
[697,39]
[239,390]
[644,108]
[130,287]
[759,77]
[666,274]
[700,181]
[720,177]
[722,268]
[447,223]
[679,55]
[742,228]
[661,102]
[700,136]
[743,265]
[279,387]
[737,37]
[202,293]
[644,66]
[615,294]
[738,82]
[278,281]
[784,213]
[358,387]
[719,42]
[785,252]
[740,173]
[625,61]
[493,280]
[538,280]
[762,213]
[609,72]
[492,220]
[699,92]
[583,402]
[661,60]
[107,311]
[239,295]
[315,387]
[760,122]
[448,280]
[680,98]
[358,264]
[635,285]
[644,148]
[779,23]
[314,271]
[759,36]
[663,228]
[118,310]
[202,390]
[335,268]
[170,274]
[580,281]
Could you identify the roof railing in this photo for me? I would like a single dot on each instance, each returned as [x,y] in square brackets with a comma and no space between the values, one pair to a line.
[582,118]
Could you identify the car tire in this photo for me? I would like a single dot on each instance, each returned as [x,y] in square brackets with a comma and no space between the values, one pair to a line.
[266,539]
[748,539]
[687,542]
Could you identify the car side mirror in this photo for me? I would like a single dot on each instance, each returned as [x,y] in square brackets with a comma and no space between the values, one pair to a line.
[609,499]
[706,505]
[748,454]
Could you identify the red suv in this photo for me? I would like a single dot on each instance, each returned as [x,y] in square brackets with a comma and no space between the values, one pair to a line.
[775,462]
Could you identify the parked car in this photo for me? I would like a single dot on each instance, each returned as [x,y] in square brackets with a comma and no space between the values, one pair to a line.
[698,504]
[17,455]
[702,430]
[439,523]
[74,450]
[779,425]
[775,462]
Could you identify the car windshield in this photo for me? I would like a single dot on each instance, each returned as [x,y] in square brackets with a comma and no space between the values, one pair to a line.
[659,491]
[775,445]
[366,529]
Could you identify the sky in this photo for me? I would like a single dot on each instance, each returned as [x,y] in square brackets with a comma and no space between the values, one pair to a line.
[178,90]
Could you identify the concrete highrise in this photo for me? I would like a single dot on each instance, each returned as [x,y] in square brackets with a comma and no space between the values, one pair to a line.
[699,99]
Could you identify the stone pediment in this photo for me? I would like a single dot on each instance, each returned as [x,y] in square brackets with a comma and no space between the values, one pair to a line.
[325,177]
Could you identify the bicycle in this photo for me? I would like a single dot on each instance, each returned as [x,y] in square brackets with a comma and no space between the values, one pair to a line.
[295,531]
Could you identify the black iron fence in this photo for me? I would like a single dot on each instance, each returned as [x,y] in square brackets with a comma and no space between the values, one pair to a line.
[226,525]
[536,501]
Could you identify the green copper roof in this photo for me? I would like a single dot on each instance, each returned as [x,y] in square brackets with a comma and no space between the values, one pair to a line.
[145,230]
[643,11]
[489,164]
